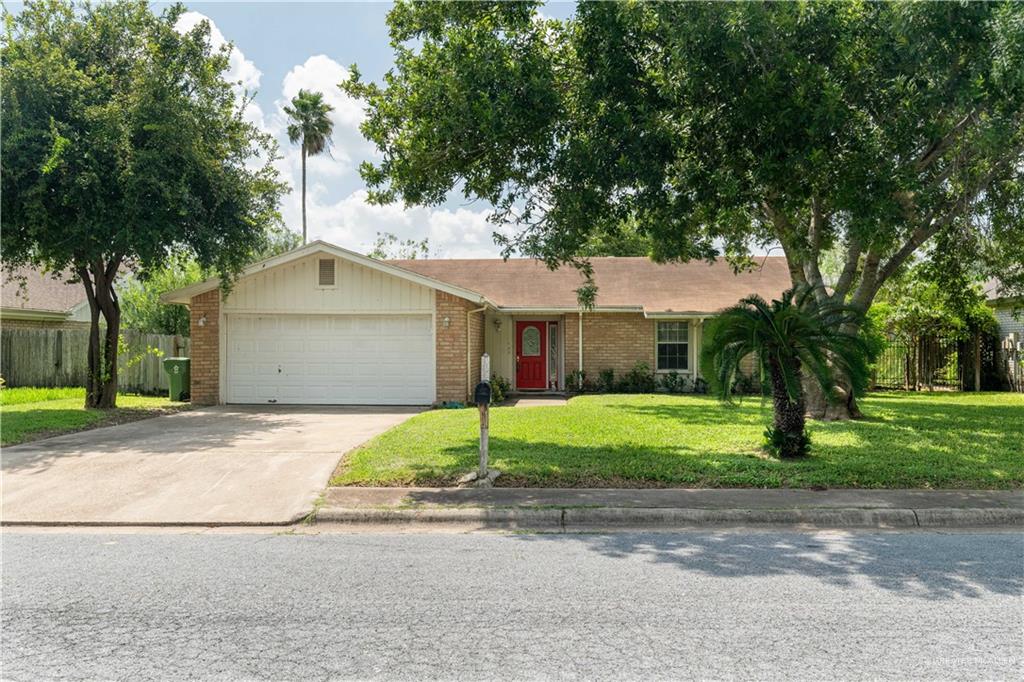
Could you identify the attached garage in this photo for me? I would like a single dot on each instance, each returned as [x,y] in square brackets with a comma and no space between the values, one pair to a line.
[330,359]
[325,326]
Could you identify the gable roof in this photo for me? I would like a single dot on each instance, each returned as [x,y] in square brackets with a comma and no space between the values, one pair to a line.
[622,283]
[185,294]
[28,290]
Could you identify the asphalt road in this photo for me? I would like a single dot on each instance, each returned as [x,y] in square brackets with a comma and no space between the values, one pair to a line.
[744,605]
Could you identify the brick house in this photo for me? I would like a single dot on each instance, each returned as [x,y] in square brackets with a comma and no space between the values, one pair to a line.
[324,325]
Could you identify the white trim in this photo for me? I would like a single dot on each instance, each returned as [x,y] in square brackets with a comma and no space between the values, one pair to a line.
[469,350]
[185,294]
[671,315]
[580,368]
[222,352]
[32,314]
[545,310]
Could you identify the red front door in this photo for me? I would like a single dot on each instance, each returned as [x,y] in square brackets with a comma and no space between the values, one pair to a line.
[531,355]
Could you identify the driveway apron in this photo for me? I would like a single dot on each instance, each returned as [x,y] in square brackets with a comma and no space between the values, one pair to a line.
[217,465]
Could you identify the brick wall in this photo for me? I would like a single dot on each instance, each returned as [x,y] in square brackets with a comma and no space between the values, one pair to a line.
[610,340]
[451,347]
[205,365]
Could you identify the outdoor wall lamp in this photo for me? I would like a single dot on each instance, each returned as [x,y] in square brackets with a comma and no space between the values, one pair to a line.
[202,321]
[446,322]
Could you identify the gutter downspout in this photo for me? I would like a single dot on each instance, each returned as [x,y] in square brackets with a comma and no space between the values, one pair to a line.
[579,336]
[469,353]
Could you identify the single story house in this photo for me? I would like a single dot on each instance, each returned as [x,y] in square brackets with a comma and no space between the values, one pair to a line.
[34,299]
[324,325]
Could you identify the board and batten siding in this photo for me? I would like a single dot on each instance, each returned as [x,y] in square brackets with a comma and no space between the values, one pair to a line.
[292,288]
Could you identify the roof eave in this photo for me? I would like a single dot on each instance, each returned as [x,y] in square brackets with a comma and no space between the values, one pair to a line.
[33,314]
[185,294]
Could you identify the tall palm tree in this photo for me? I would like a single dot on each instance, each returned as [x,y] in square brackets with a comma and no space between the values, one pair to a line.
[312,126]
[789,337]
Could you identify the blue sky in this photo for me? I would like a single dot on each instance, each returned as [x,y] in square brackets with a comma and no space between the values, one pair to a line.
[282,47]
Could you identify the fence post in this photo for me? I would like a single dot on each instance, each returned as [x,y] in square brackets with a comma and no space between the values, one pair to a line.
[977,361]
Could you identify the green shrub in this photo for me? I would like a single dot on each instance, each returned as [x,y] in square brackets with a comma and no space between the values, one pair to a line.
[673,382]
[500,388]
[578,381]
[640,379]
[606,380]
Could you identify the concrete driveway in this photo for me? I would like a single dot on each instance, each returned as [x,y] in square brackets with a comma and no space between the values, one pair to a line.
[218,465]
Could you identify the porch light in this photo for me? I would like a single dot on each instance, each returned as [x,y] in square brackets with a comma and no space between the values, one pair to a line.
[446,322]
[202,321]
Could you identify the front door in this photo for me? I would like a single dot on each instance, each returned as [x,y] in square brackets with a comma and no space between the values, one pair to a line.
[531,355]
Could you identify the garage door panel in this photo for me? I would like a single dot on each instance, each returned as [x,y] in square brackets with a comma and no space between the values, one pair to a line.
[325,359]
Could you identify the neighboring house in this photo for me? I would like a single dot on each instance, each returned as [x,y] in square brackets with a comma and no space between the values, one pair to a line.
[1009,312]
[324,325]
[31,298]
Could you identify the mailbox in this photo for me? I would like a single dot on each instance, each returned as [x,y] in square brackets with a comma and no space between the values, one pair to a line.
[482,393]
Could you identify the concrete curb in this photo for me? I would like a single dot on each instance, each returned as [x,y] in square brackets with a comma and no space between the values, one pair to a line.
[573,518]
[297,519]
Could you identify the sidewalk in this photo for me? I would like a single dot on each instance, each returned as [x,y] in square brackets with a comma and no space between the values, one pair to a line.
[562,510]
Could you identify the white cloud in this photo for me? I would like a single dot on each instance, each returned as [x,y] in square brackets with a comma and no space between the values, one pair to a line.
[322,74]
[335,211]
[242,72]
[352,222]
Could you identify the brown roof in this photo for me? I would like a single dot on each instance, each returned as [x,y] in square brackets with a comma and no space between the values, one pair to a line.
[41,291]
[694,287]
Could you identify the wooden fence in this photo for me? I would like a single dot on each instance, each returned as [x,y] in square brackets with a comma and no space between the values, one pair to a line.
[59,357]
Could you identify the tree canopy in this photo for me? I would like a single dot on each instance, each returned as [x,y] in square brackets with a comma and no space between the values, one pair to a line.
[123,143]
[871,130]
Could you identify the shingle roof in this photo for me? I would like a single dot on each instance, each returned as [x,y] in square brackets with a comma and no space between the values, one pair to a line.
[694,287]
[41,291]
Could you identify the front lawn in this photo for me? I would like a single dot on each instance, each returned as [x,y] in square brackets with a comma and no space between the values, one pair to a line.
[909,440]
[32,413]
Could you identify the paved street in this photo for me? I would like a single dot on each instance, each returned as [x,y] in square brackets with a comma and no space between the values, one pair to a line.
[768,605]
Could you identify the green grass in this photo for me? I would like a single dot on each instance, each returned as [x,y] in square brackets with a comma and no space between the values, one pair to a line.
[924,440]
[32,413]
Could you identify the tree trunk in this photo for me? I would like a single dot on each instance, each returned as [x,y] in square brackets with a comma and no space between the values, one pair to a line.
[821,408]
[303,191]
[790,437]
[101,377]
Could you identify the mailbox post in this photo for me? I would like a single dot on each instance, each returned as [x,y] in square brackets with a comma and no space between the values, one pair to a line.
[482,398]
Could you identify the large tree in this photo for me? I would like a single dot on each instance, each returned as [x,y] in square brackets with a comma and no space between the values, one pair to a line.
[123,143]
[869,129]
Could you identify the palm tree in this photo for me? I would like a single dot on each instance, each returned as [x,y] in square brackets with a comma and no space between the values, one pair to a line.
[312,126]
[789,337]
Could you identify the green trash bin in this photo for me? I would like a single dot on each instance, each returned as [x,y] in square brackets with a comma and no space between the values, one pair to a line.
[177,377]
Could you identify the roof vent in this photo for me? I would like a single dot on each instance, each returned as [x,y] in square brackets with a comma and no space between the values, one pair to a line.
[325,276]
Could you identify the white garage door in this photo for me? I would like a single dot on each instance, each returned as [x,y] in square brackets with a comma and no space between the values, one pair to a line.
[330,359]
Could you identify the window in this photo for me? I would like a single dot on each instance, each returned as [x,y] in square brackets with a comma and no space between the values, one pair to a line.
[325,272]
[673,345]
[531,342]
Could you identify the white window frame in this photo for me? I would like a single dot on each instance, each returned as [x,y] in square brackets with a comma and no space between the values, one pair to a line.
[316,272]
[688,342]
